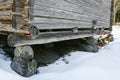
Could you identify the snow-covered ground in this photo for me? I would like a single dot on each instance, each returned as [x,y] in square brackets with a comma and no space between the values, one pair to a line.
[104,65]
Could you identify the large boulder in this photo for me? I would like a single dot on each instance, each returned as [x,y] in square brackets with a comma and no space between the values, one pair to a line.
[23,62]
[24,68]
[89,45]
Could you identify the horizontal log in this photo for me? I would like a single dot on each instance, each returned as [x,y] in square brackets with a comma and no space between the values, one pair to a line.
[5,8]
[5,13]
[5,26]
[6,22]
[48,38]
[12,31]
[6,3]
[5,17]
[24,13]
[43,26]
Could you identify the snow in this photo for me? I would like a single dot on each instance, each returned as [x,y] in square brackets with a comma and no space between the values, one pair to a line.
[103,65]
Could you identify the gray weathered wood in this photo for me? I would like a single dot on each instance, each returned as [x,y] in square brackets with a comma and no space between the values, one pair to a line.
[46,23]
[48,38]
[70,13]
[51,12]
[66,5]
[50,16]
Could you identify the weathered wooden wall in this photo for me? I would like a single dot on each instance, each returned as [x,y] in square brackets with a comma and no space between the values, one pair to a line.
[62,14]
[57,20]
[13,12]
[54,14]
[5,10]
[13,15]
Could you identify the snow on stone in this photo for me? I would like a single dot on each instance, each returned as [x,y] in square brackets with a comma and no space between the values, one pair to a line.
[103,65]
